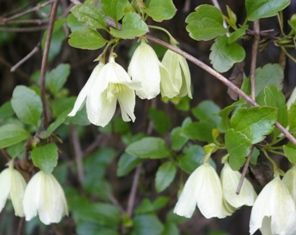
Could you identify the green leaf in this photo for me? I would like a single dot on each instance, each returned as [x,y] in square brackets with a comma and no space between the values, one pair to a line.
[160,10]
[57,77]
[11,134]
[45,157]
[89,14]
[126,164]
[224,54]
[6,111]
[207,111]
[237,34]
[160,120]
[257,9]
[147,225]
[201,131]
[178,138]
[290,152]
[205,23]
[86,39]
[147,206]
[273,97]
[254,123]
[148,147]
[238,146]
[17,150]
[115,8]
[191,159]
[27,105]
[292,119]
[170,229]
[132,26]
[269,74]
[165,176]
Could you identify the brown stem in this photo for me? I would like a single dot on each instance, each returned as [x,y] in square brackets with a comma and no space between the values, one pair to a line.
[220,77]
[132,196]
[44,62]
[243,175]
[254,58]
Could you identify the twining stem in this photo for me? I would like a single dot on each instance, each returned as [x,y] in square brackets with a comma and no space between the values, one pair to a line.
[243,175]
[256,28]
[52,17]
[220,77]
[132,196]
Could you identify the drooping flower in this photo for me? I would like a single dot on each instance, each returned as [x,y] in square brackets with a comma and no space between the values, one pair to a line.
[202,189]
[12,186]
[44,196]
[274,211]
[175,76]
[145,69]
[230,180]
[289,180]
[107,84]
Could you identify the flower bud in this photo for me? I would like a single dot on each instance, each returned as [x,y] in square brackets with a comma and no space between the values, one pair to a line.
[44,196]
[145,69]
[12,185]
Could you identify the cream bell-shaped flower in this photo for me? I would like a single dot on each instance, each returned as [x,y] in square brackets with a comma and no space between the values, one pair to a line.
[289,180]
[107,84]
[175,76]
[12,186]
[274,210]
[44,196]
[230,180]
[202,189]
[144,68]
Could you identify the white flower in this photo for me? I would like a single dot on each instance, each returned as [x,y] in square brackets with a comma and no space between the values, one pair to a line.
[289,180]
[44,196]
[274,210]
[107,84]
[175,76]
[202,189]
[12,186]
[230,180]
[145,68]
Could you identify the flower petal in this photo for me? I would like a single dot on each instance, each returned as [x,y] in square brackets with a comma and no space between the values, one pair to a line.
[17,191]
[168,87]
[186,84]
[5,185]
[84,91]
[127,102]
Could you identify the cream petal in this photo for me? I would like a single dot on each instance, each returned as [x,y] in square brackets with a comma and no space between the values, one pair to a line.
[186,84]
[230,180]
[85,90]
[127,102]
[17,191]
[289,180]
[167,86]
[32,196]
[5,185]
[266,226]
[144,68]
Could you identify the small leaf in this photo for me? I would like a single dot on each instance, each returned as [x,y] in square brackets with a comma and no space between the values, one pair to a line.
[115,8]
[45,157]
[11,134]
[160,10]
[6,111]
[148,147]
[57,77]
[178,138]
[292,119]
[191,159]
[147,225]
[257,9]
[126,164]
[205,23]
[86,39]
[290,152]
[27,105]
[201,131]
[132,26]
[160,120]
[165,176]
[224,54]
[207,111]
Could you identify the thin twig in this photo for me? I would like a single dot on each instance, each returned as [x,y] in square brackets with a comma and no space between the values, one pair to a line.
[132,196]
[44,62]
[27,57]
[220,77]
[288,54]
[22,30]
[256,27]
[27,21]
[77,153]
[243,175]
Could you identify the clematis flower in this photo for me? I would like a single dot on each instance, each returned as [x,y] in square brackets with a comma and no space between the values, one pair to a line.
[12,185]
[175,76]
[289,180]
[230,179]
[202,189]
[274,210]
[44,196]
[107,84]
[145,68]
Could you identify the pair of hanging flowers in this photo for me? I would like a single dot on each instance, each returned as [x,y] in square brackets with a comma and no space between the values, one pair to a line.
[273,211]
[43,195]
[146,77]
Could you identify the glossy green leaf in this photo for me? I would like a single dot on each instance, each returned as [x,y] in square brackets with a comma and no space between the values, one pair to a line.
[207,111]
[290,152]
[27,105]
[86,39]
[178,138]
[165,176]
[11,134]
[57,77]
[205,23]
[224,54]
[126,164]
[160,10]
[148,147]
[257,9]
[115,8]
[201,131]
